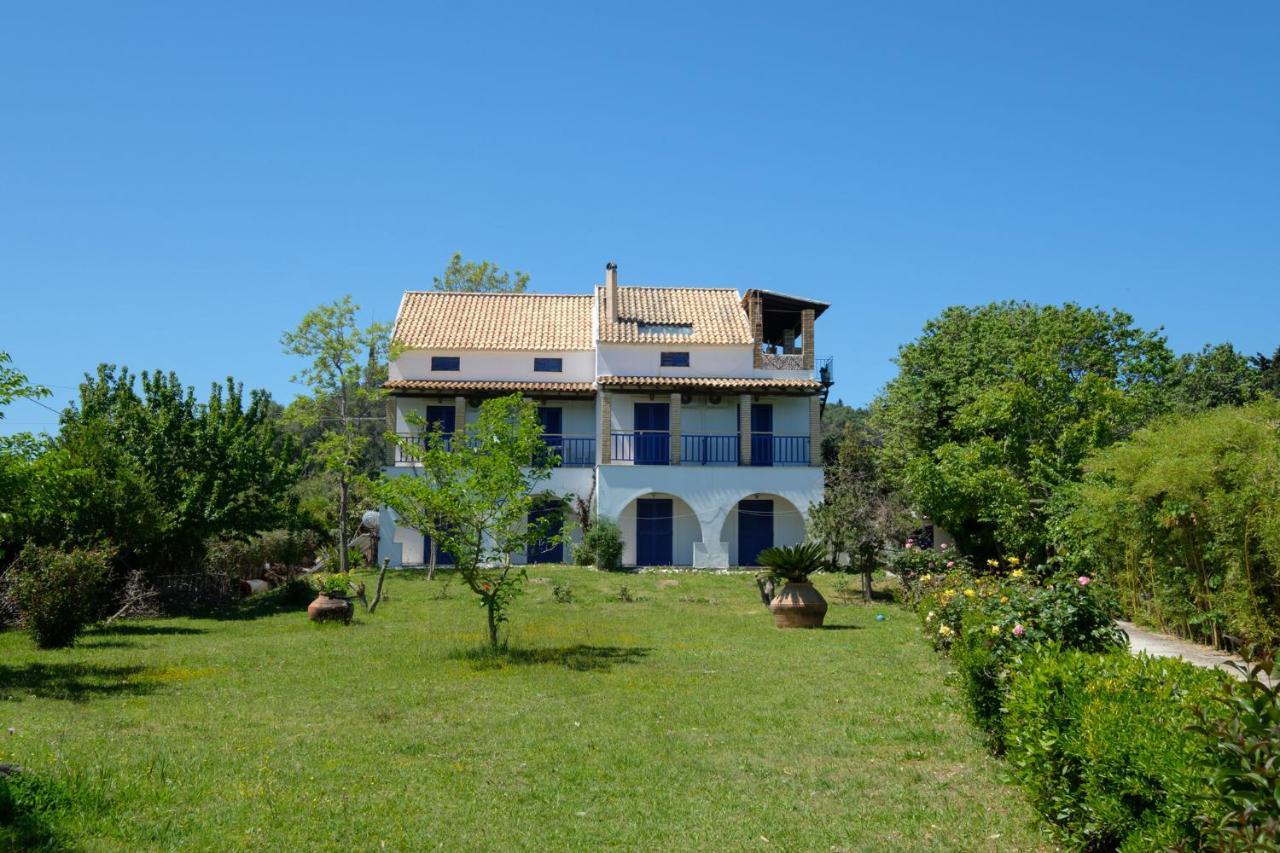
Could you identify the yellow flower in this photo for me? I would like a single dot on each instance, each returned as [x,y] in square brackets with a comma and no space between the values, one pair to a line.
[995,629]
[945,631]
[927,578]
[1013,561]
[929,618]
[1016,573]
[993,563]
[1004,599]
[969,593]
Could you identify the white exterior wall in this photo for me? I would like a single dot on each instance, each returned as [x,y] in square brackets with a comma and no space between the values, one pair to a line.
[579,416]
[711,495]
[579,366]
[704,360]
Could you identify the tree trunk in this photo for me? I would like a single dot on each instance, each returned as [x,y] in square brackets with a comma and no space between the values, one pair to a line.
[431,565]
[493,626]
[377,593]
[342,521]
[866,584]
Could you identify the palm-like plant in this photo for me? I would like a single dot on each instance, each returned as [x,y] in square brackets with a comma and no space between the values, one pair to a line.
[793,562]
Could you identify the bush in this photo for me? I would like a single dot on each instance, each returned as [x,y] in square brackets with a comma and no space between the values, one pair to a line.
[241,559]
[604,542]
[912,564]
[582,553]
[1100,743]
[59,593]
[1241,726]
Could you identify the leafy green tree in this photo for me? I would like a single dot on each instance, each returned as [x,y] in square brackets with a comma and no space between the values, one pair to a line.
[860,513]
[1215,376]
[343,377]
[1268,372]
[994,407]
[483,277]
[837,418]
[475,490]
[159,473]
[14,384]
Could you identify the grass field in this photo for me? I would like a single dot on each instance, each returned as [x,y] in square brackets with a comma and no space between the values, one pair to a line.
[680,720]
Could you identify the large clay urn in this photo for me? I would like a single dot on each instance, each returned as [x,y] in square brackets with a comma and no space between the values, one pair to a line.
[327,609]
[798,605]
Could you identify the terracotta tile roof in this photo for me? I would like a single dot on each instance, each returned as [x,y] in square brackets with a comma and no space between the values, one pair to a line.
[714,312]
[462,385]
[714,382]
[504,321]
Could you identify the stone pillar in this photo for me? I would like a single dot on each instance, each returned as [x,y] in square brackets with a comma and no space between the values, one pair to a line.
[459,414]
[815,432]
[606,429]
[756,313]
[806,329]
[676,444]
[744,429]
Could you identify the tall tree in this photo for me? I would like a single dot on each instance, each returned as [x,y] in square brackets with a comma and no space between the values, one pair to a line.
[341,374]
[483,277]
[1268,372]
[1215,376]
[14,384]
[994,407]
[475,490]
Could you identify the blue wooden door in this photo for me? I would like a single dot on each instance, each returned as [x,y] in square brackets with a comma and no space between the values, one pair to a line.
[652,433]
[552,420]
[761,435]
[654,531]
[755,530]
[540,551]
[441,417]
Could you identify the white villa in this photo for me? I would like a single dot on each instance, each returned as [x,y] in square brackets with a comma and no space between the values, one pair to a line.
[690,415]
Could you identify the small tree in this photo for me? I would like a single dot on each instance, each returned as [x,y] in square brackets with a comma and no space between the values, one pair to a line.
[484,277]
[475,490]
[343,357]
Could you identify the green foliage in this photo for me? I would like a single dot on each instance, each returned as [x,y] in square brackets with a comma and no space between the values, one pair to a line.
[1215,376]
[14,384]
[1183,521]
[793,562]
[995,407]
[1242,724]
[603,543]
[988,622]
[473,492]
[345,374]
[154,472]
[332,584]
[1100,744]
[240,558]
[1268,372]
[58,593]
[562,593]
[483,277]
[916,566]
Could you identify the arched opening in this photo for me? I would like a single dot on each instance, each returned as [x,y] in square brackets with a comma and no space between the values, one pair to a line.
[658,529]
[760,521]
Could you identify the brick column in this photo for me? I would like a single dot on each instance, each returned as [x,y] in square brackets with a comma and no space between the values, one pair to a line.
[606,429]
[459,414]
[744,429]
[806,329]
[675,428]
[757,331]
[390,454]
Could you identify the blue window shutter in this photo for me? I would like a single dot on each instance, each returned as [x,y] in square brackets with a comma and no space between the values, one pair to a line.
[674,359]
[445,362]
[548,365]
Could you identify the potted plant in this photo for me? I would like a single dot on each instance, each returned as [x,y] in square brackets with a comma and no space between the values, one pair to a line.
[332,602]
[799,604]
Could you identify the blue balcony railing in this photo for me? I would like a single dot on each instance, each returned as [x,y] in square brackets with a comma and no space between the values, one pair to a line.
[709,450]
[645,447]
[769,450]
[575,451]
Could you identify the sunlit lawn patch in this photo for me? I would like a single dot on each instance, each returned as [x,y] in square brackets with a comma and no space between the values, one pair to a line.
[678,719]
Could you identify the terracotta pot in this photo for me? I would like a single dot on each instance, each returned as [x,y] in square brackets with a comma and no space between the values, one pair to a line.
[326,609]
[798,605]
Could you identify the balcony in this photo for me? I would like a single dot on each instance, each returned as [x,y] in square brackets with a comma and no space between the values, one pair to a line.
[574,451]
[653,447]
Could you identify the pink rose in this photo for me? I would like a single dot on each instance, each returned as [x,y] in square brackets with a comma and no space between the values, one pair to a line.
[1083,580]
[943,546]
[1018,630]
[951,564]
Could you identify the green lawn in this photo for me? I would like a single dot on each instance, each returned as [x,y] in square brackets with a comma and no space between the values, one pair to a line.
[680,720]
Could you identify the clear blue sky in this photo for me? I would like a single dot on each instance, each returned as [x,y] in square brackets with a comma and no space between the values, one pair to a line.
[179,182]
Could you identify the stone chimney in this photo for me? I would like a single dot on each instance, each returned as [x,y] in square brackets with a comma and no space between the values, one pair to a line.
[611,290]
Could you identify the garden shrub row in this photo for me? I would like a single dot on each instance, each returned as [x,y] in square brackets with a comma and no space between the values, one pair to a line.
[1117,752]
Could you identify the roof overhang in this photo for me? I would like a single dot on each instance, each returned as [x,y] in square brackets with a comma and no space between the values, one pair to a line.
[710,384]
[486,388]
[772,300]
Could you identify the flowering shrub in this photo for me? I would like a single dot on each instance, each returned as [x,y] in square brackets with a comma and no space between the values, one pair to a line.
[916,566]
[987,622]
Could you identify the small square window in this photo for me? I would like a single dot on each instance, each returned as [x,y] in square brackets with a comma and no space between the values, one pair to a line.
[675,359]
[445,362]
[548,365]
